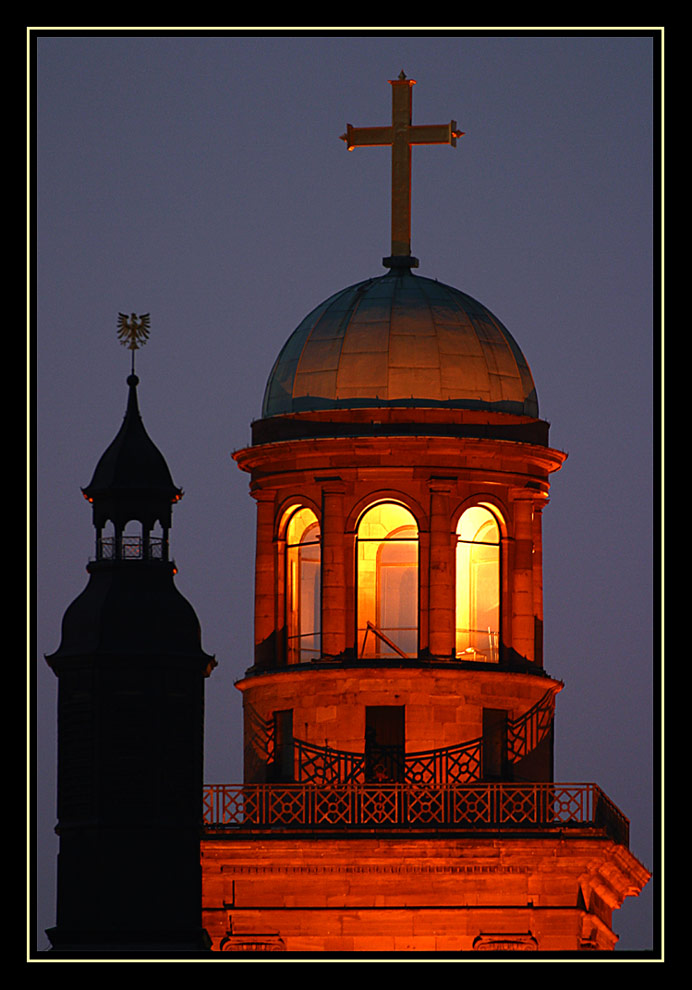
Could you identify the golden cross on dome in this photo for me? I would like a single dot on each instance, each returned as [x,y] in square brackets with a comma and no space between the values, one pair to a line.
[401,136]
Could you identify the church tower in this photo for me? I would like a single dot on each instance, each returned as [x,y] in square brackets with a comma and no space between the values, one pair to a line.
[398,793]
[131,671]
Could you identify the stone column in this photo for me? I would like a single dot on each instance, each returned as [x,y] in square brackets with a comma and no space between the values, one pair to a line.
[522,576]
[538,507]
[333,574]
[442,564]
[265,582]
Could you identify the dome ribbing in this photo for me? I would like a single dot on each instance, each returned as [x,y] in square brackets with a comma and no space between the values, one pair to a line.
[400,339]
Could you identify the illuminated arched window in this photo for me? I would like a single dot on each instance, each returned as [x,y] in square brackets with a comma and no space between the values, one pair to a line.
[303,560]
[478,586]
[387,561]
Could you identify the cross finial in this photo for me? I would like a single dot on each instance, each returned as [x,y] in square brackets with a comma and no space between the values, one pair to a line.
[401,136]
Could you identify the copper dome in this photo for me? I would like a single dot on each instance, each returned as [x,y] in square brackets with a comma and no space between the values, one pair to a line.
[400,339]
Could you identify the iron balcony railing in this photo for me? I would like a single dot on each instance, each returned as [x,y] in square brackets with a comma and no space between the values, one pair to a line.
[131,548]
[350,806]
[460,764]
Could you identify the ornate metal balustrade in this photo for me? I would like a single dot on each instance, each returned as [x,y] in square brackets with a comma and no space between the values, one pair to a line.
[461,764]
[450,765]
[348,806]
[132,548]
[527,731]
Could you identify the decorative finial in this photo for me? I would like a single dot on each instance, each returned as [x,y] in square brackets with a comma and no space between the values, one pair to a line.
[133,332]
[401,137]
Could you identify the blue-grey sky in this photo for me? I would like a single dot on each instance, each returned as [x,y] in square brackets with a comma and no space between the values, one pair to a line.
[201,179]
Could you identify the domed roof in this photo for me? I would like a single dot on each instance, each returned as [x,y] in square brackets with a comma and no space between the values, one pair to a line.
[400,340]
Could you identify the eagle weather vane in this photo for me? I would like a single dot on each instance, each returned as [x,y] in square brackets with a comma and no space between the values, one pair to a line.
[133,332]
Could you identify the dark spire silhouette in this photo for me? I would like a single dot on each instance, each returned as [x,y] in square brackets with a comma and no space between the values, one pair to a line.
[131,672]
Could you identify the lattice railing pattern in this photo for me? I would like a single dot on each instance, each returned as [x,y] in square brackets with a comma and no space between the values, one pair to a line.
[391,805]
[321,764]
[527,731]
[460,764]
[452,764]
[259,738]
[131,548]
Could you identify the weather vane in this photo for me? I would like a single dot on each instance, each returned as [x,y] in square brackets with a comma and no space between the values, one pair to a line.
[133,332]
[401,136]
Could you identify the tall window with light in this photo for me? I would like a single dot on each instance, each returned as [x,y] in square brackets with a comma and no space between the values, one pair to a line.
[478,586]
[303,586]
[387,576]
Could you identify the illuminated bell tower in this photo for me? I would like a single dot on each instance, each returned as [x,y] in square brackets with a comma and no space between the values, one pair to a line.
[131,672]
[399,791]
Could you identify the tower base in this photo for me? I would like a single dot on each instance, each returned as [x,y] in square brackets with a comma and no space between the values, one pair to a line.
[420,893]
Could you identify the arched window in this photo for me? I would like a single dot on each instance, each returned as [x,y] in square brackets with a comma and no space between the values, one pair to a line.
[478,586]
[387,561]
[158,542]
[303,585]
[131,541]
[106,541]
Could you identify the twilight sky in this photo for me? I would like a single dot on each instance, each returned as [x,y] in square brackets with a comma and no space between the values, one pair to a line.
[201,179]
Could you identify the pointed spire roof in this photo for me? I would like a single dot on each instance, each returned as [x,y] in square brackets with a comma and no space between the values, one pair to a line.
[132,461]
[132,471]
